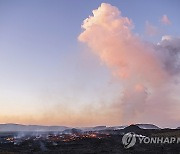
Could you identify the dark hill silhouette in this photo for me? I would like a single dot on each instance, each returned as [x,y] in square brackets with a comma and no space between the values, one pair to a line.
[19,127]
[132,128]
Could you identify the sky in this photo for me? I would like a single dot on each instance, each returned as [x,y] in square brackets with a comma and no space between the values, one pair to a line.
[55,70]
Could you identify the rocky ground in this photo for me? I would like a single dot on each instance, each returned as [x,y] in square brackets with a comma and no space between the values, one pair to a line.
[101,142]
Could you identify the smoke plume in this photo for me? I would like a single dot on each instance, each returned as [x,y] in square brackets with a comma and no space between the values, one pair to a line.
[147,71]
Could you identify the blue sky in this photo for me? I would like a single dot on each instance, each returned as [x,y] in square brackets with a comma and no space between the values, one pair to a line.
[42,64]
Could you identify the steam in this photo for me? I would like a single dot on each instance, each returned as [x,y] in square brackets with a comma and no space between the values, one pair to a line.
[146,71]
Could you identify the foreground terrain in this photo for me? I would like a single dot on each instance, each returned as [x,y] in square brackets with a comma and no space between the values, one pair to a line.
[76,141]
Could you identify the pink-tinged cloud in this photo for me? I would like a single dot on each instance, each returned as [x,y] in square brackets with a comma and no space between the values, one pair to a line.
[150,29]
[144,69]
[110,37]
[165,20]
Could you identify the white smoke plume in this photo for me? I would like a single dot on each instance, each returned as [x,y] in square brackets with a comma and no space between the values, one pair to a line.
[146,71]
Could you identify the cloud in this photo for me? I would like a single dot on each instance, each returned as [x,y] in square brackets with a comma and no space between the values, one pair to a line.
[165,20]
[150,29]
[145,70]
